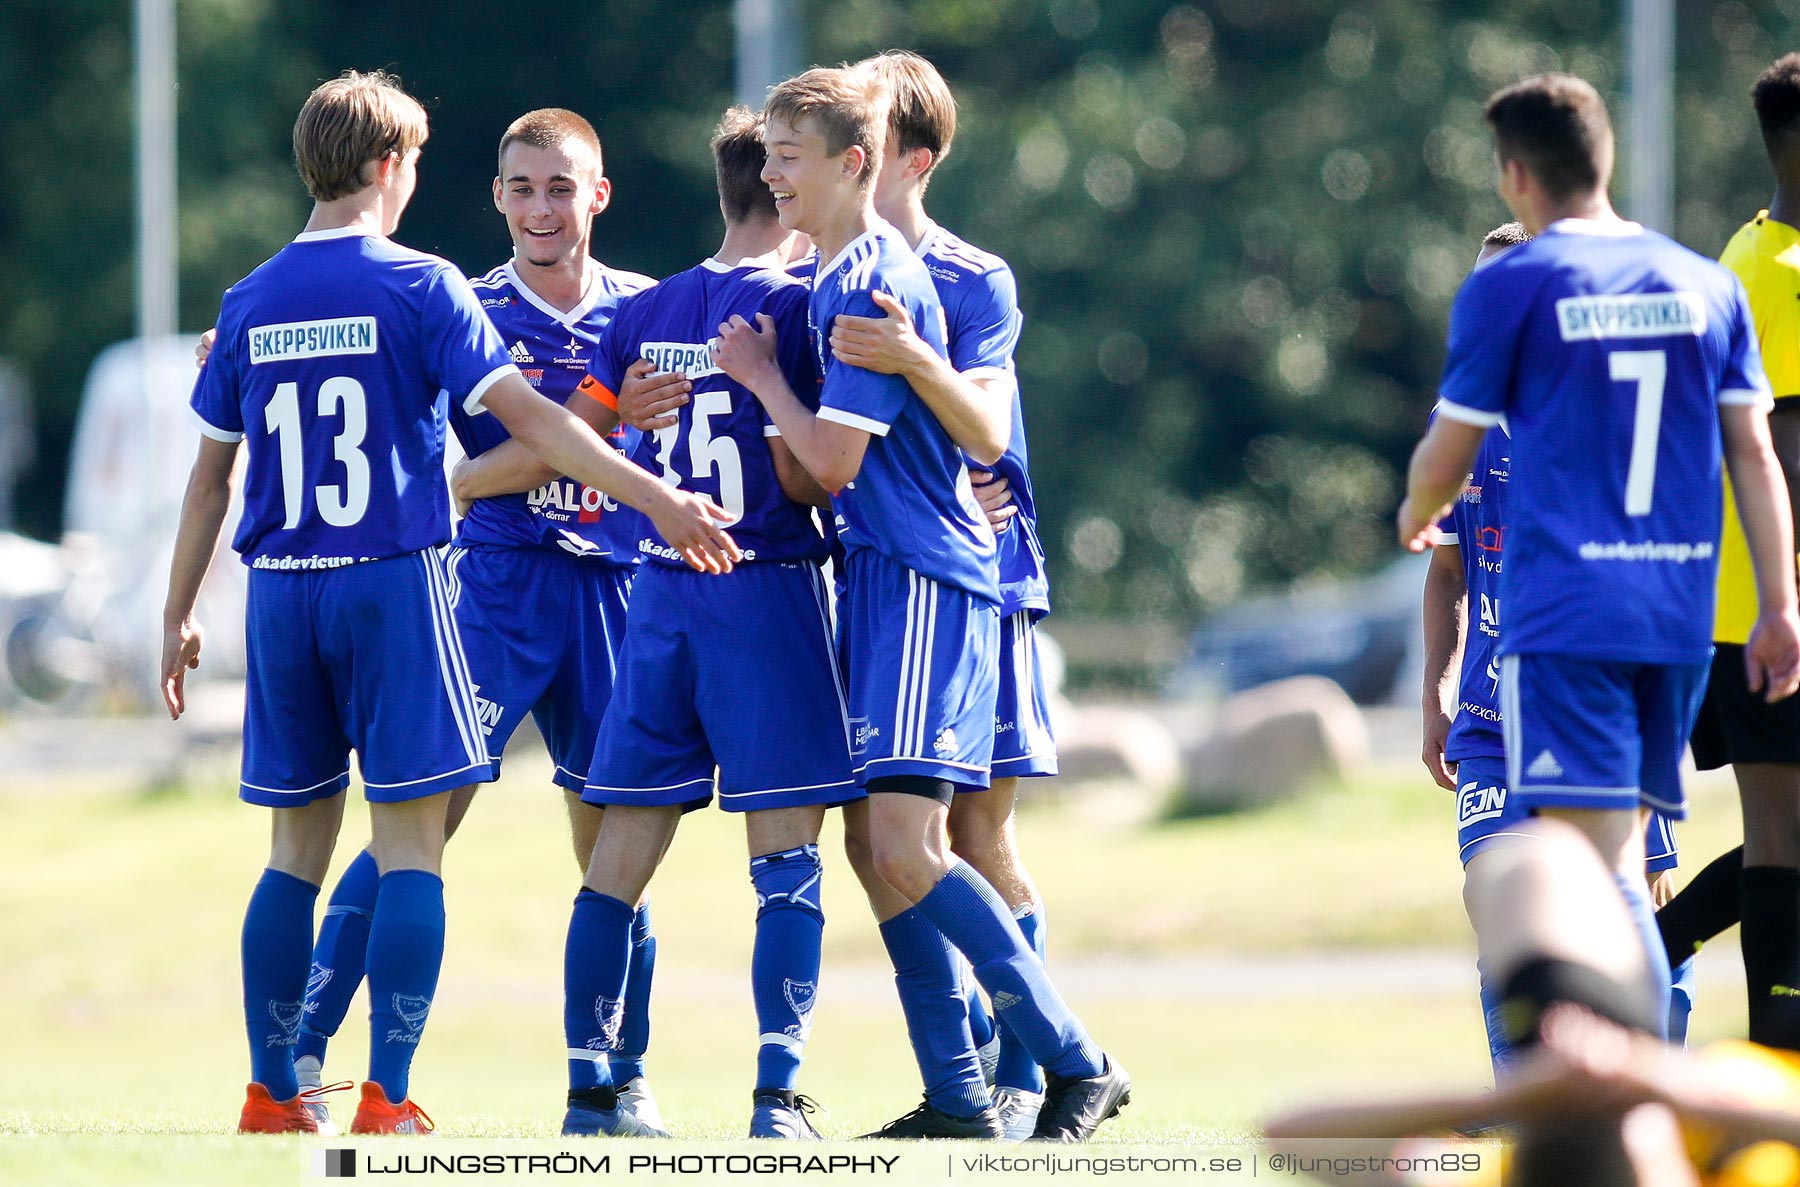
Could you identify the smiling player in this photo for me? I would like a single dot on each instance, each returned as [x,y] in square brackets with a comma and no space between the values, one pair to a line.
[538,581]
[334,364]
[919,626]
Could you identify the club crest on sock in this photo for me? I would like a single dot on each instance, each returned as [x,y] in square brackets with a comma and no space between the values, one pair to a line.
[609,1012]
[287,1016]
[411,1010]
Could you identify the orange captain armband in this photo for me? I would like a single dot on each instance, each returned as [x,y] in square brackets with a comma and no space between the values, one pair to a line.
[591,387]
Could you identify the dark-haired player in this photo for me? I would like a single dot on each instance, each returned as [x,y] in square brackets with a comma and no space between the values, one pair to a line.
[1464,748]
[333,364]
[1761,741]
[1617,359]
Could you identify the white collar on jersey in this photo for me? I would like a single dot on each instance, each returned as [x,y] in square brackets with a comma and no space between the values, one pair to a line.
[930,237]
[840,257]
[336,233]
[1592,226]
[589,296]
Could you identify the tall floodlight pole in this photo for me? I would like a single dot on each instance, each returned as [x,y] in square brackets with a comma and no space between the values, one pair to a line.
[769,46]
[154,53]
[1650,34]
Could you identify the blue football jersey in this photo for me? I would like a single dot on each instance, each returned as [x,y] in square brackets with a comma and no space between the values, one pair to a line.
[553,349]
[1608,349]
[981,312]
[1477,525]
[334,362]
[911,500]
[719,445]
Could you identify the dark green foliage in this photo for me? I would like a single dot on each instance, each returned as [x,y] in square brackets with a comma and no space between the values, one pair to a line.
[1237,224]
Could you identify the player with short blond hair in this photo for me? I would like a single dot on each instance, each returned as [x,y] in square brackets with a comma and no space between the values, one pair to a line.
[974,393]
[334,363]
[562,548]
[919,623]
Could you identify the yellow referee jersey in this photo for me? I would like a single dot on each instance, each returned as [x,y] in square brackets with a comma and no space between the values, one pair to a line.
[1765,255]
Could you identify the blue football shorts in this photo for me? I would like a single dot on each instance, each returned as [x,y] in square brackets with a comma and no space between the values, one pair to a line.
[734,671]
[542,630]
[1023,741]
[1485,813]
[1601,734]
[363,658]
[923,665]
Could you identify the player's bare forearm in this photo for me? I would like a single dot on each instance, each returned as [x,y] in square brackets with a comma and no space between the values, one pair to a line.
[203,510]
[506,469]
[1784,436]
[1772,652]
[509,468]
[1439,467]
[686,521]
[1762,499]
[797,483]
[1445,620]
[977,413]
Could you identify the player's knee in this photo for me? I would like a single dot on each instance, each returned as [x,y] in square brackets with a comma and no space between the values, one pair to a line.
[788,881]
[860,854]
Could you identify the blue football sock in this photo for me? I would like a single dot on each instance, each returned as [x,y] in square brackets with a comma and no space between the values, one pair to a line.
[937,1017]
[406,952]
[338,955]
[981,1023]
[1643,916]
[277,941]
[634,1033]
[1017,1068]
[1500,1051]
[596,962]
[784,968]
[1681,1002]
[974,918]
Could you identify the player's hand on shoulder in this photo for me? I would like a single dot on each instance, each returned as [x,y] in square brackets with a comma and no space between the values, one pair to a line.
[994,494]
[648,399]
[204,347]
[1418,532]
[693,525]
[885,344]
[180,652]
[746,352]
[1772,655]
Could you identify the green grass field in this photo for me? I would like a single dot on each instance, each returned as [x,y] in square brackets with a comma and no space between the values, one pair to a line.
[1202,953]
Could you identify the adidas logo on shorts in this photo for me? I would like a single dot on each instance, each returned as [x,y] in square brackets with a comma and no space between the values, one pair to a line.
[1544,766]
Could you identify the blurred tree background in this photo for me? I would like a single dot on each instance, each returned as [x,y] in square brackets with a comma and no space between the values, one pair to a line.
[1237,224]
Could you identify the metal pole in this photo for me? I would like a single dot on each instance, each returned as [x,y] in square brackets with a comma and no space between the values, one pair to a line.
[769,46]
[154,51]
[1650,35]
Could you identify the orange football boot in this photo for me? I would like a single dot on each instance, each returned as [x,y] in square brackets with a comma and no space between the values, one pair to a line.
[378,1114]
[264,1114]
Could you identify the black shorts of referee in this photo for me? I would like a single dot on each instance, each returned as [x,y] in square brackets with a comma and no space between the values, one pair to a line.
[1736,725]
